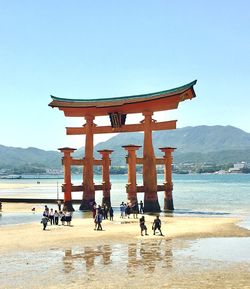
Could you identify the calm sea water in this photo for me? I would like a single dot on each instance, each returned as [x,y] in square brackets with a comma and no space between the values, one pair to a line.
[201,194]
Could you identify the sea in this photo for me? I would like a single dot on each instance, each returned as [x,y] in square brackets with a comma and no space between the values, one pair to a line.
[193,194]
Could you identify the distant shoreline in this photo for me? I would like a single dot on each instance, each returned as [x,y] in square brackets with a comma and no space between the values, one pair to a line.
[56,177]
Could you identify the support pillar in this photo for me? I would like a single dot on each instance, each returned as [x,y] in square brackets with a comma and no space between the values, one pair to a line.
[131,161]
[88,174]
[168,196]
[106,176]
[67,178]
[151,203]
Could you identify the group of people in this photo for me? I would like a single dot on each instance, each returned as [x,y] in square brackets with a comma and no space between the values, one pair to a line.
[126,209]
[53,216]
[106,211]
[155,226]
[101,213]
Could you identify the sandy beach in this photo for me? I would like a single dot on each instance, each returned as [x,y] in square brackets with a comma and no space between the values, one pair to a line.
[120,230]
[151,261]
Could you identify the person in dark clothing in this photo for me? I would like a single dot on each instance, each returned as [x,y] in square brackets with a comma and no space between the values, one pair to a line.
[128,211]
[135,210]
[59,204]
[46,211]
[105,211]
[157,225]
[56,217]
[62,217]
[143,226]
[68,218]
[100,210]
[141,207]
[99,217]
[111,213]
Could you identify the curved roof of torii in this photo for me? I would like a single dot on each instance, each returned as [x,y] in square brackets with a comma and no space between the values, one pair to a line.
[157,101]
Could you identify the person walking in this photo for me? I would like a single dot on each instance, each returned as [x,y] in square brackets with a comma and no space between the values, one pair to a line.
[143,226]
[157,225]
[99,221]
[44,221]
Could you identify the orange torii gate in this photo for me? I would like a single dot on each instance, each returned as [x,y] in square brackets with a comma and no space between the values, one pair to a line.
[117,109]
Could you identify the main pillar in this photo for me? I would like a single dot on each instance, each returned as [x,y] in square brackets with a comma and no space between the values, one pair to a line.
[106,185]
[131,161]
[67,178]
[88,174]
[168,196]
[151,203]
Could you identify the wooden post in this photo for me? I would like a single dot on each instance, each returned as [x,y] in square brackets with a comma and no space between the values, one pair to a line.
[131,161]
[168,160]
[88,174]
[151,203]
[66,160]
[106,185]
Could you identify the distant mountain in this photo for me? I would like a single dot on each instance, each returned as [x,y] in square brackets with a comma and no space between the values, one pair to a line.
[218,144]
[19,157]
[194,144]
[204,138]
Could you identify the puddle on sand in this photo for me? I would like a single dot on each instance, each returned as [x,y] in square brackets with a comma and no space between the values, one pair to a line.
[151,263]
[220,249]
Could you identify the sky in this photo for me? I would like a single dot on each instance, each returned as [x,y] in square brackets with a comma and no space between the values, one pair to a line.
[95,49]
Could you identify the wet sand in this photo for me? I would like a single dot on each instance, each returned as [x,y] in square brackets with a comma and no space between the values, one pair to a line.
[77,256]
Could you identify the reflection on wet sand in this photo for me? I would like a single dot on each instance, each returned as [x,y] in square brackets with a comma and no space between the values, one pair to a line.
[157,263]
[148,255]
[89,255]
[144,256]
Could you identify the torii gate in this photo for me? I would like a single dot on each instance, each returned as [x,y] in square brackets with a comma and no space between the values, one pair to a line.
[117,109]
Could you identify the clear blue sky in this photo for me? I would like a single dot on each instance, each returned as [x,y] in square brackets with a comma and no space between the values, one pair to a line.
[92,49]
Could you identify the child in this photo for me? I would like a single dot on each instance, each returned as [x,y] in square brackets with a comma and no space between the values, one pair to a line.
[44,221]
[56,216]
[62,217]
[68,218]
[51,217]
